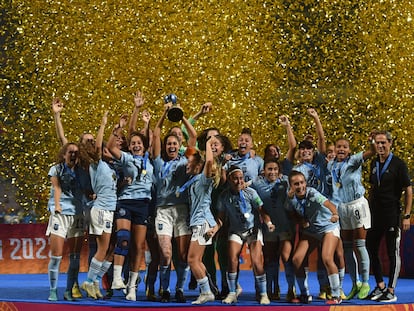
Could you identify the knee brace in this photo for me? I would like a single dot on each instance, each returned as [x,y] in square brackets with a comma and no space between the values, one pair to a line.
[122,242]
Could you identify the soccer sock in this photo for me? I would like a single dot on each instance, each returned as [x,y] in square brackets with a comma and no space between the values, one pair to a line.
[302,283]
[94,269]
[54,264]
[341,272]
[204,285]
[231,281]
[104,269]
[260,281]
[270,270]
[182,271]
[290,274]
[334,283]
[132,280]
[117,272]
[364,257]
[73,271]
[150,282]
[350,261]
[165,277]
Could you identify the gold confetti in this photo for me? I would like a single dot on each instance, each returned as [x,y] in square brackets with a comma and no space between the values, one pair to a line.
[254,60]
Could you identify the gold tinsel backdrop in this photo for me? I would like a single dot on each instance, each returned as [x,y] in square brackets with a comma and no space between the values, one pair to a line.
[254,60]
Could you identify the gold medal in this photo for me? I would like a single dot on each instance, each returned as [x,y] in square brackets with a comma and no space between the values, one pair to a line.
[338,184]
[177,194]
[144,172]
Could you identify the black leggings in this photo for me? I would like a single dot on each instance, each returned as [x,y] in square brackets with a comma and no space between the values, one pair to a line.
[392,239]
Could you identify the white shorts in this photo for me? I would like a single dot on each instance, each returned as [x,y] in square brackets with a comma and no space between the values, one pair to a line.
[355,214]
[172,220]
[336,232]
[199,234]
[248,236]
[101,221]
[65,226]
[319,236]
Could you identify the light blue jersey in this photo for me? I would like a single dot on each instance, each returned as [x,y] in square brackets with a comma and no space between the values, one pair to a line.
[200,201]
[72,195]
[103,179]
[316,173]
[274,196]
[311,208]
[170,176]
[138,174]
[347,179]
[251,167]
[241,209]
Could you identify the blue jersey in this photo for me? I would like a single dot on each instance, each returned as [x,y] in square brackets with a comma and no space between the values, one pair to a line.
[138,174]
[103,179]
[170,176]
[274,197]
[316,173]
[72,195]
[251,167]
[241,209]
[347,179]
[200,201]
[311,208]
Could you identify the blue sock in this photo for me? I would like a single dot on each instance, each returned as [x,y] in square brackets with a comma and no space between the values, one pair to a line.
[350,261]
[232,280]
[260,281]
[334,283]
[364,257]
[53,269]
[204,285]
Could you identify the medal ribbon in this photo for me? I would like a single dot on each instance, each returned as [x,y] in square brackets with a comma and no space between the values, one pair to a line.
[166,167]
[143,165]
[243,200]
[384,168]
[336,172]
[187,184]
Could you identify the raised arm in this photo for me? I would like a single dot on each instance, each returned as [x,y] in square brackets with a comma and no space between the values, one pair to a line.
[205,108]
[146,117]
[208,165]
[192,134]
[371,151]
[138,103]
[290,155]
[100,135]
[57,107]
[156,136]
[321,144]
[116,132]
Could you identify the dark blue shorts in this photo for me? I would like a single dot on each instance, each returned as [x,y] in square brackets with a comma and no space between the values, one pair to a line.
[135,211]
